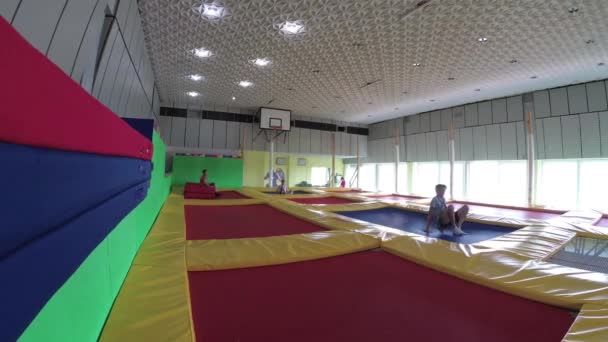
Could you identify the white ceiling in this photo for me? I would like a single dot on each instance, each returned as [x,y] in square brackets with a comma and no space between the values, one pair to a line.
[352,42]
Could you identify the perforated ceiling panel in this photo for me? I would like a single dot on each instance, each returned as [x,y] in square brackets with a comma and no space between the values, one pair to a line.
[354,61]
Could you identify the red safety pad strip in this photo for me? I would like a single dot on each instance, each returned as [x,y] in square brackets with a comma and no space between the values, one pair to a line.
[241,221]
[44,107]
[507,212]
[322,200]
[368,296]
[226,194]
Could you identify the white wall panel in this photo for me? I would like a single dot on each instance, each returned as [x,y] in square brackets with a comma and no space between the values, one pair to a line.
[457,149]
[435,120]
[411,150]
[508,136]
[205,135]
[458,117]
[233,138]
[521,140]
[353,144]
[178,131]
[69,33]
[326,142]
[192,132]
[219,134]
[552,130]
[119,82]
[542,104]
[425,122]
[421,151]
[559,101]
[499,111]
[389,150]
[345,144]
[577,99]
[165,128]
[539,137]
[494,141]
[8,8]
[363,147]
[446,118]
[111,72]
[431,146]
[246,132]
[402,149]
[466,144]
[412,124]
[480,145]
[484,111]
[442,145]
[604,133]
[515,108]
[470,115]
[294,141]
[315,141]
[83,69]
[590,135]
[571,136]
[36,21]
[596,95]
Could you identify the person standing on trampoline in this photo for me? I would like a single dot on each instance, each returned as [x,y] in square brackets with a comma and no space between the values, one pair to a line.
[445,214]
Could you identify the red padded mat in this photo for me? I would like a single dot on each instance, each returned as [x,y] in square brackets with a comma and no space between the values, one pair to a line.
[241,221]
[227,195]
[322,200]
[368,296]
[508,212]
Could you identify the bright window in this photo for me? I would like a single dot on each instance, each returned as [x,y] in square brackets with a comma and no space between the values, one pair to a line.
[319,176]
[501,182]
[368,177]
[402,185]
[593,186]
[556,184]
[386,177]
[444,177]
[349,172]
[424,178]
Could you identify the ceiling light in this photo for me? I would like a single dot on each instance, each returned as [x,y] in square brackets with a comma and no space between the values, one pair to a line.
[432,100]
[193,94]
[314,107]
[369,102]
[210,11]
[261,62]
[245,84]
[233,98]
[195,77]
[573,10]
[292,27]
[396,108]
[316,71]
[369,116]
[405,92]
[533,77]
[202,53]
[482,39]
[601,64]
[590,41]
[289,89]
[477,89]
[513,61]
[451,78]
[416,64]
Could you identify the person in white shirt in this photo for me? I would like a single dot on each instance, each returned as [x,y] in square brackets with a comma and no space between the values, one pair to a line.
[444,214]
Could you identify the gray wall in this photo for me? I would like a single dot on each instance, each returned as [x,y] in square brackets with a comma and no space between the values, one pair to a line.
[223,136]
[570,122]
[72,33]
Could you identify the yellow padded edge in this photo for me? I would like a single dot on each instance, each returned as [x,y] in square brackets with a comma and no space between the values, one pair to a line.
[591,324]
[209,255]
[154,302]
[506,271]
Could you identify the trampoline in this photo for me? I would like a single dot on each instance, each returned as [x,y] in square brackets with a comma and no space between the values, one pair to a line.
[241,221]
[366,296]
[414,222]
[322,200]
[295,192]
[512,212]
[346,191]
[396,198]
[227,195]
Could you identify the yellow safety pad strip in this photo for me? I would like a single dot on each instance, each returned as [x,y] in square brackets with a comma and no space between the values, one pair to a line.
[591,324]
[154,301]
[210,255]
[152,306]
[506,271]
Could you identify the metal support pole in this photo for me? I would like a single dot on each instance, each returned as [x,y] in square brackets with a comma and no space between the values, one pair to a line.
[451,150]
[333,159]
[358,161]
[531,159]
[396,161]
[270,163]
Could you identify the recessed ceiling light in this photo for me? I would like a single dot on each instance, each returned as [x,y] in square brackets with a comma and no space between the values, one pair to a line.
[590,41]
[396,108]
[193,93]
[369,116]
[573,10]
[314,107]
[233,98]
[482,39]
[290,89]
[261,62]
[533,77]
[245,84]
[405,92]
[210,11]
[513,61]
[416,64]
[316,71]
[432,100]
[477,89]
[202,53]
[451,78]
[337,97]
[369,102]
[601,64]
[342,111]
[195,77]
[292,27]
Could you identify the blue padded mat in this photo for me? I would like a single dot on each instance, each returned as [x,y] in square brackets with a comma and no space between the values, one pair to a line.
[44,188]
[295,192]
[34,272]
[414,222]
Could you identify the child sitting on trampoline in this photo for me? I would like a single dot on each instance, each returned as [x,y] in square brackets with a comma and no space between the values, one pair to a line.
[444,214]
[204,184]
[282,189]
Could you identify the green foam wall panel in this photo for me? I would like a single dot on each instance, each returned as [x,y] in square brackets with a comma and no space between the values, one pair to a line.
[224,172]
[78,310]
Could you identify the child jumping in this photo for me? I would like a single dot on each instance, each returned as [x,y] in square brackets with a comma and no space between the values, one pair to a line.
[342,182]
[445,215]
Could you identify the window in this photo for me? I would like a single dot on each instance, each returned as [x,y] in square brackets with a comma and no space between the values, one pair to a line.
[424,178]
[349,173]
[319,176]
[593,186]
[403,179]
[368,177]
[386,177]
[500,182]
[556,183]
[444,177]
